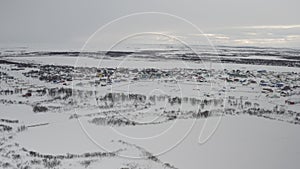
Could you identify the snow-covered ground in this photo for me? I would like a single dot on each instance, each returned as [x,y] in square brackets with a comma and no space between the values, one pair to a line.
[130,62]
[239,142]
[177,114]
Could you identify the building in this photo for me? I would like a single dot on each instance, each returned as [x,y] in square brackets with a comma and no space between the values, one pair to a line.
[293,101]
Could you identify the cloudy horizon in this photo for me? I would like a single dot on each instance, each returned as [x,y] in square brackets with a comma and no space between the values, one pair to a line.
[69,24]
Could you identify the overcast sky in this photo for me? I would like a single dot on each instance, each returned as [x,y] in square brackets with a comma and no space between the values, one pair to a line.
[67,24]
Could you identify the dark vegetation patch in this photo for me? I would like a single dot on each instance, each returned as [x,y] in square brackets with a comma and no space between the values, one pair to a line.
[38,108]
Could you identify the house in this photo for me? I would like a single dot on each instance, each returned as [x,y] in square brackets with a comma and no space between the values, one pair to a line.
[135,78]
[293,101]
[284,93]
[286,88]
[279,85]
[267,90]
[28,94]
[261,71]
[100,75]
[229,80]
[103,79]
[263,84]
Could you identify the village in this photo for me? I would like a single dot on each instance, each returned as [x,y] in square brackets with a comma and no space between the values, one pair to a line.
[272,84]
[68,86]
